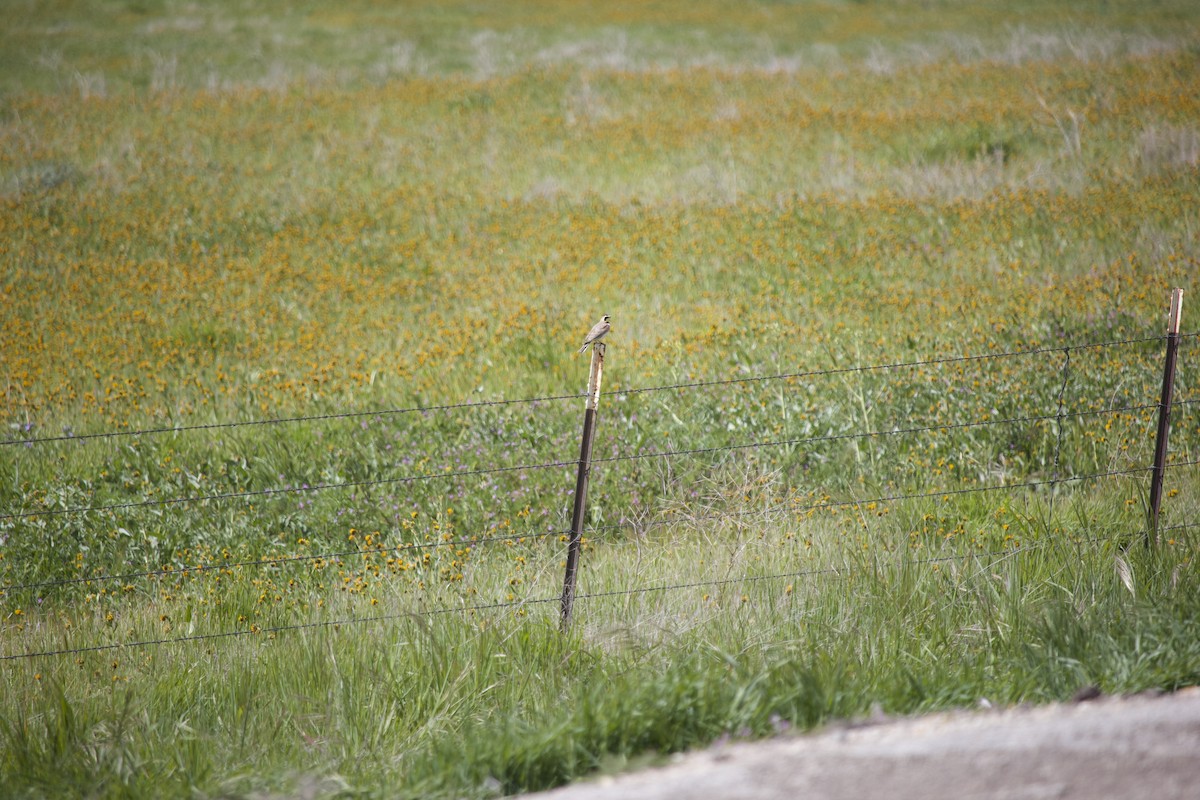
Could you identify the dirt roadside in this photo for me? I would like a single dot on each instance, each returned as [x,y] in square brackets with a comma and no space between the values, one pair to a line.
[1118,748]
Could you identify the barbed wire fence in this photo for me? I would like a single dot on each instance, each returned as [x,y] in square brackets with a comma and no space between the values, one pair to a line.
[1059,418]
[785,376]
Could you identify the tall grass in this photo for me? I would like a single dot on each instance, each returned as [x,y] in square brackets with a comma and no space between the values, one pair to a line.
[478,703]
[241,214]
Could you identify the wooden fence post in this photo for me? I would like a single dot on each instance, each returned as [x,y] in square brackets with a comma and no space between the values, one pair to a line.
[1164,417]
[581,482]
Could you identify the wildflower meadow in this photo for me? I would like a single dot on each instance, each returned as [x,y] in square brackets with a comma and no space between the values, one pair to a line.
[291,401]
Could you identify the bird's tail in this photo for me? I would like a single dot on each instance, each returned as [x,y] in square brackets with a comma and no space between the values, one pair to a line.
[585,346]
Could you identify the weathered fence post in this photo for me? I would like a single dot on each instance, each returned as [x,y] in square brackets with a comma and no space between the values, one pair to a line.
[581,482]
[1164,417]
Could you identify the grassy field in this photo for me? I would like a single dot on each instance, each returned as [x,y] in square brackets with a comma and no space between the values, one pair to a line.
[277,520]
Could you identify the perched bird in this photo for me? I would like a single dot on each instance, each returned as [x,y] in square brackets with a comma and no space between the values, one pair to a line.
[596,333]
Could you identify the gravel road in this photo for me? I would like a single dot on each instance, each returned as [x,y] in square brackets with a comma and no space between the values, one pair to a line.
[1119,748]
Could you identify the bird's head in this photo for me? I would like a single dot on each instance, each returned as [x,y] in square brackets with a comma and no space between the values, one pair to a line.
[606,318]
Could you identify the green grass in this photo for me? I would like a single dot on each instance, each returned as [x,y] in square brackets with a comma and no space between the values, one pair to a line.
[469,704]
[235,213]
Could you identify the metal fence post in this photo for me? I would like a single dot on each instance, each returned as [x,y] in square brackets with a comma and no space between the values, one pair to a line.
[581,482]
[1164,417]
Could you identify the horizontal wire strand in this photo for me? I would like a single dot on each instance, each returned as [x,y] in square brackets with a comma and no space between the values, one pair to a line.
[255,631]
[290,490]
[285,420]
[593,529]
[29,441]
[783,509]
[792,508]
[267,562]
[869,434]
[275,491]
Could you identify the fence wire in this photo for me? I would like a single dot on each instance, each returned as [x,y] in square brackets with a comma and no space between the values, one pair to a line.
[215,426]
[545,534]
[525,602]
[1060,416]
[432,476]
[473,405]
[942,494]
[183,570]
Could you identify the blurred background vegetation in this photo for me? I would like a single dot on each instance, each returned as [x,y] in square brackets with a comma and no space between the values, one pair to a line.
[239,212]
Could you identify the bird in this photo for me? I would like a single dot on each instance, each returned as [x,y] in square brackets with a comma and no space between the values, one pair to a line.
[596,333]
